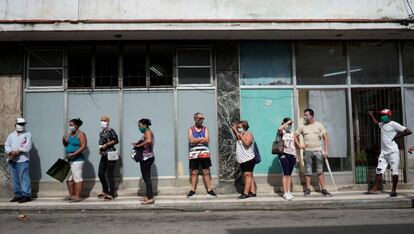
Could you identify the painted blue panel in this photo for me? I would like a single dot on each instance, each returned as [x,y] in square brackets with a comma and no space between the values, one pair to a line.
[190,102]
[45,115]
[89,107]
[264,110]
[159,107]
[265,63]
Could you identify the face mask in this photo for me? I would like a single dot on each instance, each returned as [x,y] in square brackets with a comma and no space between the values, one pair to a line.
[19,128]
[104,124]
[385,119]
[72,128]
[240,130]
[307,118]
[142,130]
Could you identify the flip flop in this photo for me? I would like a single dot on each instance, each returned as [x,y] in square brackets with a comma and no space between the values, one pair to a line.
[74,199]
[148,202]
[371,193]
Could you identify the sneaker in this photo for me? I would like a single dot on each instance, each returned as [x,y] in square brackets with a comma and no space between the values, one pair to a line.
[393,194]
[191,194]
[24,199]
[252,194]
[244,196]
[307,192]
[326,193]
[15,199]
[287,197]
[211,193]
[291,196]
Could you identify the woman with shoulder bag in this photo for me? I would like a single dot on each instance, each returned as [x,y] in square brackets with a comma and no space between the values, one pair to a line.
[107,141]
[147,142]
[246,157]
[288,157]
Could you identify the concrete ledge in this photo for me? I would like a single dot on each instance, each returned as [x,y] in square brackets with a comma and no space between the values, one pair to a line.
[341,200]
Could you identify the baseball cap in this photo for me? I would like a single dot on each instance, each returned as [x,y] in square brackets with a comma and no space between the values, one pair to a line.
[386,112]
[21,121]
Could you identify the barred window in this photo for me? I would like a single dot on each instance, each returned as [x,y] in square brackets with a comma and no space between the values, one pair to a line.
[80,66]
[194,66]
[161,65]
[134,65]
[106,66]
[45,68]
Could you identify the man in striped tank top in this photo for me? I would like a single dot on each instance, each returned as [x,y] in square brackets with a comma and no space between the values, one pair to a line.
[199,155]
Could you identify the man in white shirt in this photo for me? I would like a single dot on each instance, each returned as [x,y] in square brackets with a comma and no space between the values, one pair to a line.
[17,147]
[390,154]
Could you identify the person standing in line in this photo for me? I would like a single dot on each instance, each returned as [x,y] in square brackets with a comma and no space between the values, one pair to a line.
[17,146]
[107,141]
[390,154]
[147,142]
[199,155]
[312,132]
[245,157]
[288,159]
[75,144]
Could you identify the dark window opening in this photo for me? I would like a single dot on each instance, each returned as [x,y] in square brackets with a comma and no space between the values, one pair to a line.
[106,66]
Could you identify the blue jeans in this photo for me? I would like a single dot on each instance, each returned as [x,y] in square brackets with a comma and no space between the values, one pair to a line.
[19,173]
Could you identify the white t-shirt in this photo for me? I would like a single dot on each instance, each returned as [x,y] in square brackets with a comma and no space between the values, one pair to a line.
[388,132]
[288,143]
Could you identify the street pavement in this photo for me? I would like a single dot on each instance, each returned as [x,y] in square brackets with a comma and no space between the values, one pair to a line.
[378,221]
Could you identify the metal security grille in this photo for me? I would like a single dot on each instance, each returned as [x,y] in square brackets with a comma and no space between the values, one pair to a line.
[367,140]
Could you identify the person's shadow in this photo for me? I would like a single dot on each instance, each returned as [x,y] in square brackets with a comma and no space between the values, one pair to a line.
[154,179]
[35,170]
[118,174]
[274,176]
[90,174]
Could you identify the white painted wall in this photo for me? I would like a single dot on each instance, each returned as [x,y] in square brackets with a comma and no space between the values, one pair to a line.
[202,9]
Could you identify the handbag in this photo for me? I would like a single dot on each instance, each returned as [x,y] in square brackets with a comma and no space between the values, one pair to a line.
[113,155]
[137,153]
[277,146]
[257,157]
[59,170]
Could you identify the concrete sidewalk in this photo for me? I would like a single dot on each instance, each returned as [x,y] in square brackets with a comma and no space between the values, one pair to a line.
[228,202]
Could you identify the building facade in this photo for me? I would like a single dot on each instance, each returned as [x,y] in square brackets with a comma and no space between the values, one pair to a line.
[259,61]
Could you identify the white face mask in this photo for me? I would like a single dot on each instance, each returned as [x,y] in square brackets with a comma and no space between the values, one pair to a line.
[72,128]
[104,124]
[240,130]
[19,128]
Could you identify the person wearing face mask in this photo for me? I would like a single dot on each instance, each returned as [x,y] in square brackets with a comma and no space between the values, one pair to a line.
[390,154]
[313,132]
[17,147]
[288,159]
[107,141]
[245,157]
[75,143]
[199,155]
[147,141]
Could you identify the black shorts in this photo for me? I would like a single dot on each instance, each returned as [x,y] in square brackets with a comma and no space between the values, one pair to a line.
[248,166]
[195,164]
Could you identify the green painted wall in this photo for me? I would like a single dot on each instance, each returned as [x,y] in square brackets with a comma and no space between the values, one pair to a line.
[264,109]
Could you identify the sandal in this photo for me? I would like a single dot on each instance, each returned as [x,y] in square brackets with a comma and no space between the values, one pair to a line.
[108,197]
[148,202]
[102,195]
[67,198]
[75,199]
